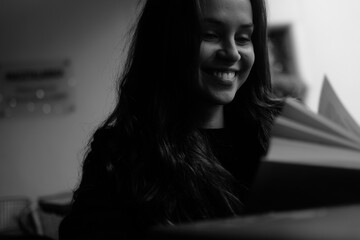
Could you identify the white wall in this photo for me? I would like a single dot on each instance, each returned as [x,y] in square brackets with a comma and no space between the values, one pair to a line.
[41,155]
[327,35]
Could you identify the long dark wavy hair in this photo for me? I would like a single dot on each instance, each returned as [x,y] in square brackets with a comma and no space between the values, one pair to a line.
[150,149]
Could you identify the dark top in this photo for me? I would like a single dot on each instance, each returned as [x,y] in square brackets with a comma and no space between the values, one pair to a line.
[97,215]
[240,156]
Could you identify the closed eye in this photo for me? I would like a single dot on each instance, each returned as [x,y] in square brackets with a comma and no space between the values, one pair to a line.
[210,36]
[243,39]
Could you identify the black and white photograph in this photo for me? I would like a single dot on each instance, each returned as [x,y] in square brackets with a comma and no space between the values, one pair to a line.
[179,119]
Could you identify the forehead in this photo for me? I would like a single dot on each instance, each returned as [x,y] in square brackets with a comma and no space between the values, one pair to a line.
[240,10]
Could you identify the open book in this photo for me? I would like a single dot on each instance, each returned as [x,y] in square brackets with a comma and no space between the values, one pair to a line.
[312,167]
[313,159]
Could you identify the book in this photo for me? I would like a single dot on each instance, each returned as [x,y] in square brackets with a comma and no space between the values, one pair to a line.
[307,186]
[313,159]
[336,223]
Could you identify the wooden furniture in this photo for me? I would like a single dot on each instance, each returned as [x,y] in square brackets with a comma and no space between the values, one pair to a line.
[332,223]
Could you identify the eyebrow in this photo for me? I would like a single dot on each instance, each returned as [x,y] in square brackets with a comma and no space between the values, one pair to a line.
[218,22]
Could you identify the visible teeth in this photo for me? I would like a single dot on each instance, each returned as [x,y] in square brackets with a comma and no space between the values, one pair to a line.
[225,75]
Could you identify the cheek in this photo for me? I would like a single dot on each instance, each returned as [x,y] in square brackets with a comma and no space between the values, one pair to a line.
[248,58]
[206,52]
[247,61]
[202,53]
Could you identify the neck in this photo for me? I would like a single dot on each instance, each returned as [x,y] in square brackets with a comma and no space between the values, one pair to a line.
[211,117]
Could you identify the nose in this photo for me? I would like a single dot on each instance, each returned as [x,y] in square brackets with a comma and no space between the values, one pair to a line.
[229,52]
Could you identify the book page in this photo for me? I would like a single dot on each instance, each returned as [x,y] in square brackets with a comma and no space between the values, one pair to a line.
[331,107]
[298,112]
[299,152]
[290,129]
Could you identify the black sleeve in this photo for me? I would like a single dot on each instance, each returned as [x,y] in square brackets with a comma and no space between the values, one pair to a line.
[96,212]
[93,225]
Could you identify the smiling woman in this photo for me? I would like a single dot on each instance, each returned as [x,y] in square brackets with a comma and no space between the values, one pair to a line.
[192,120]
[226,53]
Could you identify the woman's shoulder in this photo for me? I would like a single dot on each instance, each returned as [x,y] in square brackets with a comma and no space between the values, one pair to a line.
[104,135]
[105,140]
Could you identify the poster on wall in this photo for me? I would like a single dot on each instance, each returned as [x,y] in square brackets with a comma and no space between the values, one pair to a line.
[36,88]
[286,79]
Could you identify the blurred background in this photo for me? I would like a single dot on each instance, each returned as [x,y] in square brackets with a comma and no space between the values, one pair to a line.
[69,54]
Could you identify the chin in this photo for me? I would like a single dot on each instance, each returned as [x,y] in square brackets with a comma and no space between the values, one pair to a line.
[223,98]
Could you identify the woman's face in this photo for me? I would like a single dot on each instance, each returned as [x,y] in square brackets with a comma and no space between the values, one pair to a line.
[226,49]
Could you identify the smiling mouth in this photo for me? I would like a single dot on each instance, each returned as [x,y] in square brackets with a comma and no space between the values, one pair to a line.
[225,76]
